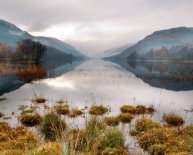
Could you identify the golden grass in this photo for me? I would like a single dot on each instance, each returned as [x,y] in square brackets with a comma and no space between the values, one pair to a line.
[75,113]
[173,119]
[62,109]
[137,110]
[50,148]
[30,118]
[144,124]
[155,136]
[19,138]
[39,99]
[1,114]
[99,135]
[98,110]
[125,117]
[112,121]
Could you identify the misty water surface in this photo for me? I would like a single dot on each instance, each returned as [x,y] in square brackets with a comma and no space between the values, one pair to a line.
[99,82]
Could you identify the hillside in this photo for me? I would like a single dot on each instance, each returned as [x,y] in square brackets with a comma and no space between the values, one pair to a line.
[171,41]
[10,34]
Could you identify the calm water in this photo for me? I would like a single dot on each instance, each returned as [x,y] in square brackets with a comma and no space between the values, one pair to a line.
[100,82]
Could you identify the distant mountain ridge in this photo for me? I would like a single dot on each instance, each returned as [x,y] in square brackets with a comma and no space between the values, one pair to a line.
[115,51]
[10,34]
[62,46]
[173,40]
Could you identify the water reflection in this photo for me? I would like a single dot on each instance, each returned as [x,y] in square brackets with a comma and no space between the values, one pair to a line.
[13,76]
[100,82]
[175,76]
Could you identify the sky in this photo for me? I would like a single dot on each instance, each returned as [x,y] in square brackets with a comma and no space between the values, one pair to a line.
[93,26]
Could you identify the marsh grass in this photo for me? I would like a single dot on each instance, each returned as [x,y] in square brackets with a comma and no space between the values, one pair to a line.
[137,110]
[128,109]
[125,117]
[100,135]
[52,126]
[62,108]
[144,124]
[76,140]
[112,121]
[2,98]
[39,99]
[50,148]
[161,139]
[98,110]
[173,119]
[1,114]
[30,118]
[75,113]
[96,138]
[19,138]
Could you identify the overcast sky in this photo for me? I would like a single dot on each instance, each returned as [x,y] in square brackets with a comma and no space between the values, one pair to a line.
[93,26]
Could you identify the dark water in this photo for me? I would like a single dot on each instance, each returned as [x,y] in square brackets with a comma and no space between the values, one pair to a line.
[176,76]
[13,76]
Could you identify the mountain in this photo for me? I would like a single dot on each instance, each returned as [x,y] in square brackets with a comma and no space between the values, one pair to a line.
[169,41]
[115,51]
[53,42]
[10,34]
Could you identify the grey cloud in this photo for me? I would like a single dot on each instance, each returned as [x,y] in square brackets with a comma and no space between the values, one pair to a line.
[135,18]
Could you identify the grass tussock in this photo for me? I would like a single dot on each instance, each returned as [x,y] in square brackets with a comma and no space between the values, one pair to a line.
[39,99]
[77,139]
[62,108]
[112,121]
[13,152]
[1,114]
[128,109]
[106,140]
[157,149]
[155,136]
[173,120]
[75,113]
[99,135]
[50,148]
[137,110]
[159,139]
[113,139]
[144,124]
[98,110]
[125,117]
[115,151]
[52,126]
[30,118]
[17,139]
[2,98]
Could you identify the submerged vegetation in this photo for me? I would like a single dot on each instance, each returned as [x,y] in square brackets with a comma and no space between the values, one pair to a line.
[100,134]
